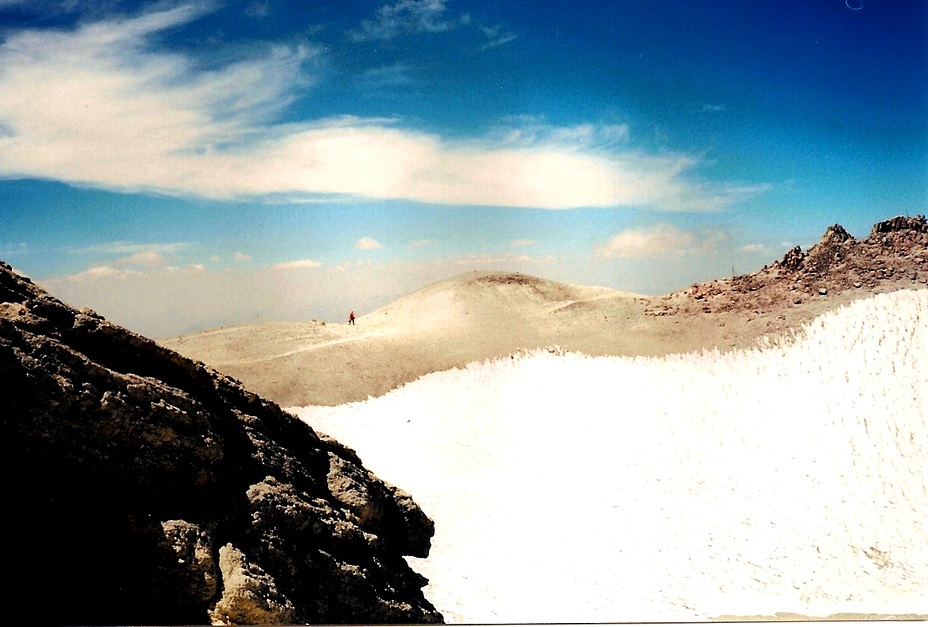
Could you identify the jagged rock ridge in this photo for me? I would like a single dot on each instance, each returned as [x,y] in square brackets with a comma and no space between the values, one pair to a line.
[143,487]
[893,256]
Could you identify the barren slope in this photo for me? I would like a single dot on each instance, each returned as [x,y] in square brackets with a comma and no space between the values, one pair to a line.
[483,315]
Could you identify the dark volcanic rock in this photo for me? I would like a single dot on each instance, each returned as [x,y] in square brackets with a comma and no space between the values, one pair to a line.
[142,487]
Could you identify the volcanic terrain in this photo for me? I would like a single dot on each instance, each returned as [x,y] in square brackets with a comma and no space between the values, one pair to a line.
[485,315]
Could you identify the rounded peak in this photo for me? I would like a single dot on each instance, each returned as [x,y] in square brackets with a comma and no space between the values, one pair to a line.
[466,298]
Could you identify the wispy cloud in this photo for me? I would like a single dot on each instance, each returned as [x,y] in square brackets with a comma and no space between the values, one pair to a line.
[102,272]
[522,243]
[660,240]
[496,36]
[407,17]
[99,106]
[131,248]
[367,243]
[527,131]
[241,257]
[421,243]
[93,104]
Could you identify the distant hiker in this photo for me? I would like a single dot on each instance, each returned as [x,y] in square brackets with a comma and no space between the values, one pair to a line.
[351,318]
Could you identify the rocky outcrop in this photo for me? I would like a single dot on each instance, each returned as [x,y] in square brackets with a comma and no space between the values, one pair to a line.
[893,256]
[142,487]
[896,250]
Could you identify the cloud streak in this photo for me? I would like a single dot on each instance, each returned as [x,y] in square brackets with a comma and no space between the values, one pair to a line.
[98,106]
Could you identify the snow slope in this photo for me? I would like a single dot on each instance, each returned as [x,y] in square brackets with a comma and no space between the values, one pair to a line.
[573,489]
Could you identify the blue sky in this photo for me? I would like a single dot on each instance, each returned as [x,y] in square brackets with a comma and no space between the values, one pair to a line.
[178,166]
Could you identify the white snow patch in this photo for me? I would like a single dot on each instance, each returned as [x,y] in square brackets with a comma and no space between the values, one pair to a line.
[573,489]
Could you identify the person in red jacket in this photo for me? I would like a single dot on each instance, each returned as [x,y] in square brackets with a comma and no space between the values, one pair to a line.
[351,318]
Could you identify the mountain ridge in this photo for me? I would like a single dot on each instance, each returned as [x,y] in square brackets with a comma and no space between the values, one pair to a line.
[485,315]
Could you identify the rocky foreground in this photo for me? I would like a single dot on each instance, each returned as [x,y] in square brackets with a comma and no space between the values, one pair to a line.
[143,487]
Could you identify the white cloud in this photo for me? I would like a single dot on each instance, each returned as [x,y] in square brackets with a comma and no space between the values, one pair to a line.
[367,243]
[753,248]
[133,254]
[522,243]
[101,272]
[297,264]
[98,106]
[240,256]
[406,17]
[658,241]
[94,104]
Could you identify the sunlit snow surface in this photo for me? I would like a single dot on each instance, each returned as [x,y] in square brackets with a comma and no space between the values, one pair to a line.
[574,489]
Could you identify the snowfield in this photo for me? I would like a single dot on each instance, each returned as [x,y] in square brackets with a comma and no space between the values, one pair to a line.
[792,478]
